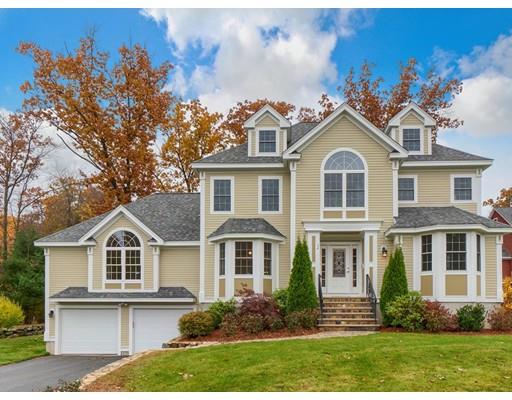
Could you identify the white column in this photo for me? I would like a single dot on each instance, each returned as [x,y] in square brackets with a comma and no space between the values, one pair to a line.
[313,240]
[230,269]
[499,271]
[438,264]
[275,266]
[366,251]
[47,293]
[156,268]
[416,263]
[477,191]
[471,265]
[257,263]
[90,267]
[395,166]
[293,205]
[202,235]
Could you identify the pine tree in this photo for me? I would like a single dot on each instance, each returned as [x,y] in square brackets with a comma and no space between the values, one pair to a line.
[301,291]
[394,283]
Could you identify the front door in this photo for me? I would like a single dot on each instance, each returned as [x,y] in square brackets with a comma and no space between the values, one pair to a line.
[342,270]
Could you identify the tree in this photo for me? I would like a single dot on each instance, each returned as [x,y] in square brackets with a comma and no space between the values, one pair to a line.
[241,112]
[23,278]
[106,112]
[22,151]
[193,133]
[394,283]
[301,289]
[504,199]
[327,106]
[365,93]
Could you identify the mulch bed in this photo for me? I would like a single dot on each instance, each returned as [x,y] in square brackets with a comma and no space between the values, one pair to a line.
[483,332]
[219,336]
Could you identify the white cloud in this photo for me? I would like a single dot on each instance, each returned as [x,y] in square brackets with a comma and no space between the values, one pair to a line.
[278,54]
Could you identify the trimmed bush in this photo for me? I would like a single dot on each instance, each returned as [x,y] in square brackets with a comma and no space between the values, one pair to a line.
[230,324]
[293,320]
[471,317]
[10,313]
[394,283]
[500,319]
[259,304]
[219,309]
[280,296]
[301,290]
[196,323]
[306,319]
[407,311]
[252,323]
[274,323]
[439,318]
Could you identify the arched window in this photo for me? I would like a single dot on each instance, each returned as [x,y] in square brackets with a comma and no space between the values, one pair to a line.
[123,257]
[344,181]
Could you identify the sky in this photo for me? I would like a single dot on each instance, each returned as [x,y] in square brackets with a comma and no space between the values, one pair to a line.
[226,55]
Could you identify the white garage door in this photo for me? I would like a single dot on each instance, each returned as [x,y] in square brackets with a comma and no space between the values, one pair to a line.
[89,331]
[154,326]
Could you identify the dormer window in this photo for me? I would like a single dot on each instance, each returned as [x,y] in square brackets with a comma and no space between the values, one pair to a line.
[267,141]
[411,138]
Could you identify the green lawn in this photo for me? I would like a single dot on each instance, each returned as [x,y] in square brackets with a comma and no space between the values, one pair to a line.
[380,362]
[21,348]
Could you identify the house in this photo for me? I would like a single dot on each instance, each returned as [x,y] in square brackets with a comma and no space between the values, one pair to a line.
[119,282]
[504,215]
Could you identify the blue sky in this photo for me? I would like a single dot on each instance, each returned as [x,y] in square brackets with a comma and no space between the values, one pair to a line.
[223,56]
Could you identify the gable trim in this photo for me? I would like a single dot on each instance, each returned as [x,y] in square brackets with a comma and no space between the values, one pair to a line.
[251,122]
[380,136]
[412,106]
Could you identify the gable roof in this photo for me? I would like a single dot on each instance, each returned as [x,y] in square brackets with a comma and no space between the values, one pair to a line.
[267,108]
[171,216]
[444,153]
[412,106]
[246,226]
[397,150]
[505,212]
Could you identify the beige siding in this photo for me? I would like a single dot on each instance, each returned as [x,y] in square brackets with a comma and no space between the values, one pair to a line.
[179,266]
[68,267]
[490,266]
[98,263]
[125,327]
[407,249]
[344,133]
[434,186]
[246,206]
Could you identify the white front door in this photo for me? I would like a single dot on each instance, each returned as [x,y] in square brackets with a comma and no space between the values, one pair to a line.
[342,270]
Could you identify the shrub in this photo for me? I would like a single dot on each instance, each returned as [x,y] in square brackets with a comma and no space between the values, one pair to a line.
[252,323]
[220,309]
[293,320]
[230,324]
[407,311]
[274,323]
[10,313]
[259,304]
[471,317]
[280,296]
[500,319]
[197,323]
[301,290]
[394,283]
[439,318]
[306,319]
[507,293]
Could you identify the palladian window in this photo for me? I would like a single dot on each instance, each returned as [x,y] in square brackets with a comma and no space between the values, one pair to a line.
[123,257]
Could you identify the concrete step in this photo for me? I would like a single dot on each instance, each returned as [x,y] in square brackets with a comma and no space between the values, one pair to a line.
[343,307]
[344,314]
[348,321]
[346,299]
[352,327]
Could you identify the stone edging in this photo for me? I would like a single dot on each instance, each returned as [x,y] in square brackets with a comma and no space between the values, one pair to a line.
[107,369]
[22,330]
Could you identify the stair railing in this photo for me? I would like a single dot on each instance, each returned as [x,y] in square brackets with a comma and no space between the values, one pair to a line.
[371,296]
[320,297]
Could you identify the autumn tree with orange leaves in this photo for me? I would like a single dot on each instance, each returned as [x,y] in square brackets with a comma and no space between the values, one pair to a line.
[107,113]
[504,199]
[193,133]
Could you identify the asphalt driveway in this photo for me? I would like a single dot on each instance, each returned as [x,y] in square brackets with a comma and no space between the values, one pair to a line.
[39,373]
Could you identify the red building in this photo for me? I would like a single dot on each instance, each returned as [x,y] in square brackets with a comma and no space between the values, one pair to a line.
[504,215]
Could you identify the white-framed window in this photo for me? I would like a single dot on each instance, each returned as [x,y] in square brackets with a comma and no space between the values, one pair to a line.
[407,188]
[267,259]
[456,248]
[123,257]
[344,181]
[222,195]
[426,253]
[222,259]
[462,188]
[267,141]
[243,258]
[412,139]
[270,194]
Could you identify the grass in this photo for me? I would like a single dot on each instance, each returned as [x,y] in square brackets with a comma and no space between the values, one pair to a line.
[381,362]
[21,348]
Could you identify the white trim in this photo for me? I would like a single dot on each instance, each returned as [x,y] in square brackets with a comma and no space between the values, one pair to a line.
[64,244]
[282,121]
[260,193]
[184,243]
[499,268]
[452,188]
[341,226]
[212,193]
[277,133]
[345,108]
[201,165]
[202,235]
[344,207]
[120,210]
[47,294]
[119,323]
[422,138]
[216,272]
[250,133]
[90,267]
[92,301]
[465,163]
[293,207]
[450,228]
[394,171]
[483,267]
[156,268]
[412,106]
[243,236]
[415,177]
[416,263]
[429,143]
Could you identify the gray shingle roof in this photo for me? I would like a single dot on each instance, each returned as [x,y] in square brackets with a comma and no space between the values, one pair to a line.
[505,212]
[246,225]
[172,216]
[163,293]
[443,153]
[419,217]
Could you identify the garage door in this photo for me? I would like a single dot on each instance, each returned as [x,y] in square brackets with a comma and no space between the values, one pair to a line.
[89,331]
[154,326]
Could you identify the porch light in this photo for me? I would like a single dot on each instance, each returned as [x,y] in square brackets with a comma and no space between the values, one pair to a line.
[51,313]
[384,251]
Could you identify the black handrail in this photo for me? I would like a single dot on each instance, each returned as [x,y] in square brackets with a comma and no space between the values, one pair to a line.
[371,296]
[320,297]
